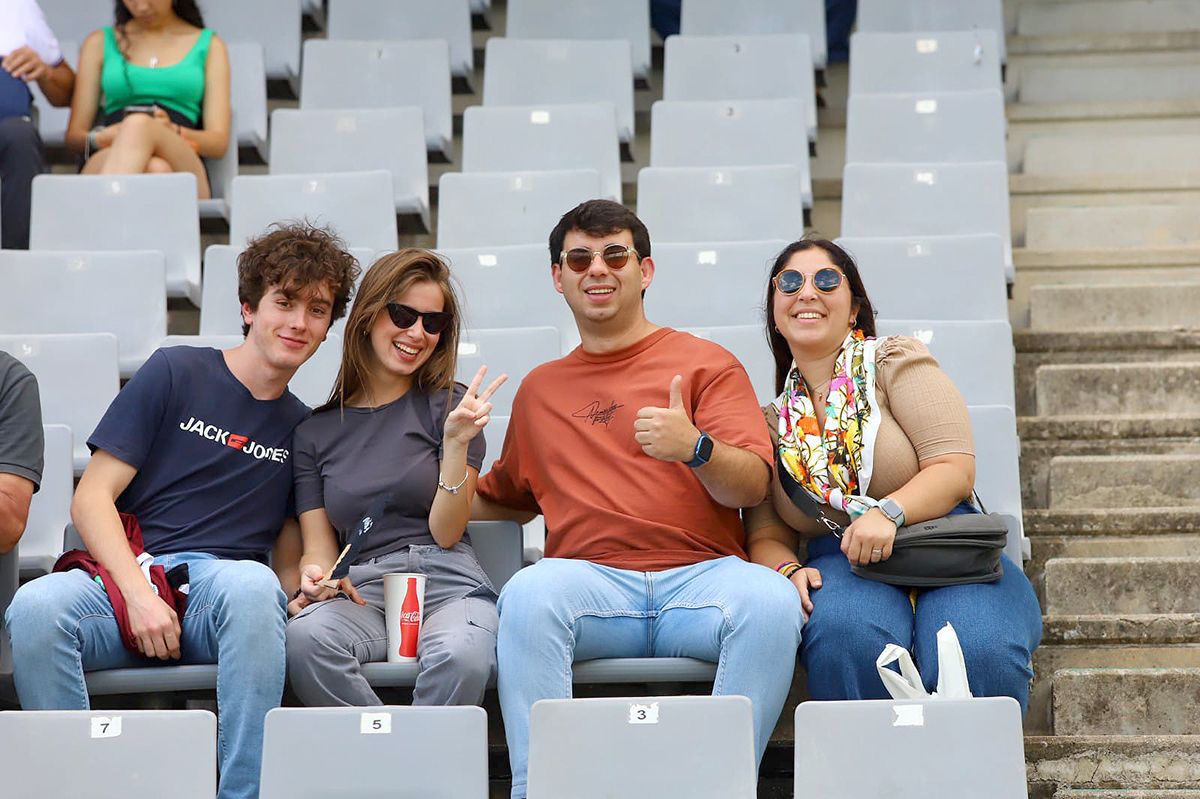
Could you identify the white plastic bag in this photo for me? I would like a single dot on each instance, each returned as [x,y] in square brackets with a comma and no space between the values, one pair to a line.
[952,670]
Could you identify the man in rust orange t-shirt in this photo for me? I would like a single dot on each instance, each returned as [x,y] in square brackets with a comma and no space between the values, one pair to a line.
[638,448]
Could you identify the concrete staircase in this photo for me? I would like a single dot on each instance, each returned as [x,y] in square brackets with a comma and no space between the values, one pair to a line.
[1104,115]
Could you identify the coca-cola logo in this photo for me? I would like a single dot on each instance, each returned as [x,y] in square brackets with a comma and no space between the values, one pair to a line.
[410,617]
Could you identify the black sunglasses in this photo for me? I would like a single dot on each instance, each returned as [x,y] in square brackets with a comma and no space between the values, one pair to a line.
[579,259]
[404,317]
[826,280]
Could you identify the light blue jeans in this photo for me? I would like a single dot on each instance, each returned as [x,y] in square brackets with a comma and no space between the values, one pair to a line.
[742,616]
[62,625]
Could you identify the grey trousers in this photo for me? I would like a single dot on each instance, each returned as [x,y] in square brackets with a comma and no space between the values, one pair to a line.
[21,158]
[327,642]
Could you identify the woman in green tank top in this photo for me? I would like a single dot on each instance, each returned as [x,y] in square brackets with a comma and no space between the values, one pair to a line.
[152,93]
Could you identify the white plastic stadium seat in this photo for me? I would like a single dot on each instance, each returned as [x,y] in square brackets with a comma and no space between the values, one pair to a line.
[248,95]
[73,20]
[512,351]
[977,356]
[275,24]
[534,138]
[747,343]
[752,17]
[392,139]
[933,15]
[492,209]
[400,20]
[888,63]
[947,127]
[686,275]
[997,471]
[747,203]
[122,212]
[50,509]
[585,19]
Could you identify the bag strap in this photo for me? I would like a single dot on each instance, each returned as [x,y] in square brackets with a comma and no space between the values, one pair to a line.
[803,500]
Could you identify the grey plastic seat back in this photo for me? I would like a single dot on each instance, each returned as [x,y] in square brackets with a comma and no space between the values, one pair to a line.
[753,17]
[50,508]
[9,580]
[495,432]
[997,470]
[927,200]
[380,74]
[122,212]
[358,206]
[132,753]
[710,283]
[747,343]
[275,24]
[221,172]
[717,133]
[221,315]
[512,351]
[933,15]
[494,209]
[392,139]
[701,747]
[78,376]
[73,20]
[398,20]
[747,203]
[940,747]
[248,95]
[889,63]
[933,277]
[766,67]
[581,19]
[978,356]
[947,127]
[86,292]
[534,138]
[549,71]
[402,752]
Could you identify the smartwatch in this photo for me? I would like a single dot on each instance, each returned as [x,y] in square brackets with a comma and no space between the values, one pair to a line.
[703,452]
[891,509]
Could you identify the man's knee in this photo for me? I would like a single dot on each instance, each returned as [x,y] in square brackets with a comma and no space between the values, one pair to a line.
[534,591]
[38,608]
[249,587]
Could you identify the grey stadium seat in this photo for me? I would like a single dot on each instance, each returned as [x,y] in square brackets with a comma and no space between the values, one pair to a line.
[747,343]
[933,277]
[415,751]
[275,24]
[582,19]
[378,74]
[79,292]
[512,351]
[997,471]
[132,212]
[78,376]
[887,63]
[248,95]
[927,200]
[767,67]
[398,20]
[50,509]
[73,20]
[689,279]
[932,15]
[493,209]
[547,71]
[752,17]
[701,747]
[9,579]
[392,139]
[131,753]
[748,203]
[978,356]
[221,172]
[358,206]
[540,137]
[938,747]
[947,127]
[731,133]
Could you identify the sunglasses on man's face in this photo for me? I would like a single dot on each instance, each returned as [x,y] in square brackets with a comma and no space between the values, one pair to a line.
[579,259]
[826,280]
[405,317]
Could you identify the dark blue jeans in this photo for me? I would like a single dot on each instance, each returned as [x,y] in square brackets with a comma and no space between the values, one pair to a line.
[999,625]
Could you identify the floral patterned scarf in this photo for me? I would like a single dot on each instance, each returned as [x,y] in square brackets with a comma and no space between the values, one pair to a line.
[834,464]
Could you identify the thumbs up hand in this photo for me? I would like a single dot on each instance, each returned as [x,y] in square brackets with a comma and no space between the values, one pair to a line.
[667,433]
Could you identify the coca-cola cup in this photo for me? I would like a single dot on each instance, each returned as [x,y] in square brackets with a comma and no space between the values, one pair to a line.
[404,605]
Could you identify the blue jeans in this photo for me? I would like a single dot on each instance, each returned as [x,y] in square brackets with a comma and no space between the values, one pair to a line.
[62,625]
[999,625]
[742,616]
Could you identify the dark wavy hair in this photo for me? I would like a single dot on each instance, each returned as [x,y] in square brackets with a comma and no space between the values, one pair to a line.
[864,320]
[186,10]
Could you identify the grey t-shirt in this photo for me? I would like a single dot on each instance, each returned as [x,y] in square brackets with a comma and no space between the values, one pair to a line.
[21,441]
[346,457]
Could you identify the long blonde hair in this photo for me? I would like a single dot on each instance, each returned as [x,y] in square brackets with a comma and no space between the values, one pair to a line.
[388,278]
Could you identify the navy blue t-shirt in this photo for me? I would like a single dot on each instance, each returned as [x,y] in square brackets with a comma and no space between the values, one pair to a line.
[214,463]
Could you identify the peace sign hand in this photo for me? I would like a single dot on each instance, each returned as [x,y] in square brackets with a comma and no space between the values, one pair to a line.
[472,413]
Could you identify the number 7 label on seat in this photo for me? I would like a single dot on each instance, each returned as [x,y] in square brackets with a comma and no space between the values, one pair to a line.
[106,726]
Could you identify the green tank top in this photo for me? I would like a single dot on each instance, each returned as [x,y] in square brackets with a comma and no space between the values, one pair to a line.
[179,87]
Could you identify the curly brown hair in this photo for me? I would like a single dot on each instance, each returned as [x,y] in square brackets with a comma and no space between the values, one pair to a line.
[294,257]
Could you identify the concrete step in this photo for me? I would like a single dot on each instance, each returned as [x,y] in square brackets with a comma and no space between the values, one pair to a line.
[1110,762]
[1125,481]
[1072,155]
[1076,523]
[1069,44]
[1110,111]
[1119,388]
[1099,227]
[1121,586]
[1107,16]
[1146,305]
[1126,701]
[1072,84]
[1129,631]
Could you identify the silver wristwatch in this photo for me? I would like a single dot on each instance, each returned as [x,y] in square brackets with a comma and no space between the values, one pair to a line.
[891,509]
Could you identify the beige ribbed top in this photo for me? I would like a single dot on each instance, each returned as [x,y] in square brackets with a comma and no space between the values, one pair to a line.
[923,416]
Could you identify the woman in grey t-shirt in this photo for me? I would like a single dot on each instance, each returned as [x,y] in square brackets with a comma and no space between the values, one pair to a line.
[396,427]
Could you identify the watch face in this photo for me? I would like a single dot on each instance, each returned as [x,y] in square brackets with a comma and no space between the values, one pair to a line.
[891,509]
[705,449]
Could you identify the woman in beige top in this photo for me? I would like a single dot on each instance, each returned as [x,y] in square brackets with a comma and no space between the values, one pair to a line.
[876,433]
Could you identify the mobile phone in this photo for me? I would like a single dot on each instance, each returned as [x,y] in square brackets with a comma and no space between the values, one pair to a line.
[139,109]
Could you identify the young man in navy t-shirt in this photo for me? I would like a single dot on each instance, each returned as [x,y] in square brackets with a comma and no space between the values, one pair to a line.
[197,446]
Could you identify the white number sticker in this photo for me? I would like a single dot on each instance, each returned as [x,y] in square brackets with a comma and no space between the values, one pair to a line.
[376,724]
[106,726]
[909,716]
[643,714]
